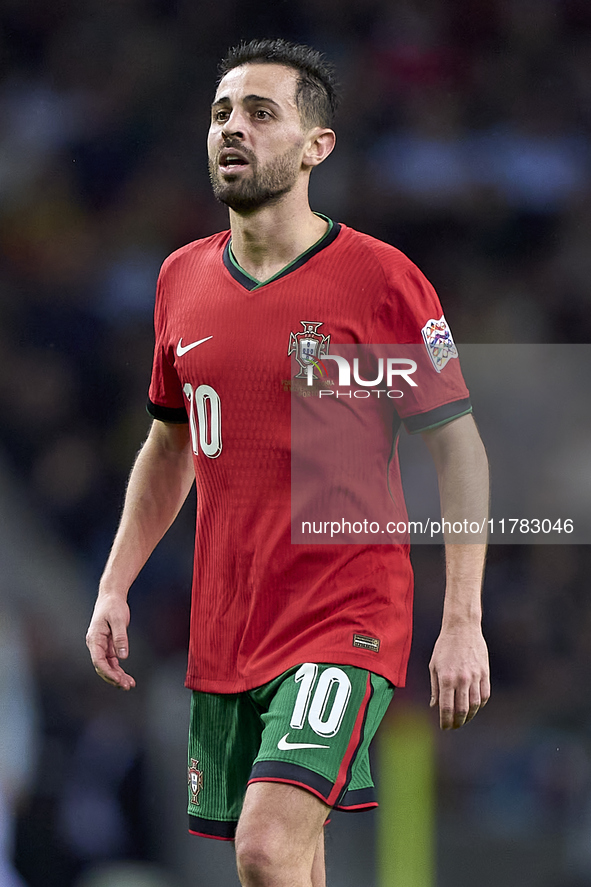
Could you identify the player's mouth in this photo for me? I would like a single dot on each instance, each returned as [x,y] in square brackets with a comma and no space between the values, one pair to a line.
[231,160]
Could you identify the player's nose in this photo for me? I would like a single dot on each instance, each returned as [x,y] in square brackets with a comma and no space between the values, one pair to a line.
[234,126]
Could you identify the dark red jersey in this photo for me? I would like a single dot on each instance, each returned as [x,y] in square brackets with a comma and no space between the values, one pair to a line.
[228,352]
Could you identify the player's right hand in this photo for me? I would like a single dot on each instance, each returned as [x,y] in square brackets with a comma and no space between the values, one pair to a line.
[107,641]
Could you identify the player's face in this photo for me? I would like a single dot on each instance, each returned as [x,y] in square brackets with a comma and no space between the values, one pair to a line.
[255,142]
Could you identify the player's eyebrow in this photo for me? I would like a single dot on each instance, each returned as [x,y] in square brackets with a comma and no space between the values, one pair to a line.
[248,99]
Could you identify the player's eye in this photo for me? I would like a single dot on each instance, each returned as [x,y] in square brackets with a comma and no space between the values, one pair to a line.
[261,114]
[221,116]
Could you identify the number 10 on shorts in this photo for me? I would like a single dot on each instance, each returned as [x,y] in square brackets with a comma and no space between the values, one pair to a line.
[324,705]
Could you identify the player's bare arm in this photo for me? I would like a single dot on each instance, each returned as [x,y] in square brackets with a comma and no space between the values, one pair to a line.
[158,485]
[460,680]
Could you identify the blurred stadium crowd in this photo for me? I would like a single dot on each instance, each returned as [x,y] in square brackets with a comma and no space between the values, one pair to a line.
[464,139]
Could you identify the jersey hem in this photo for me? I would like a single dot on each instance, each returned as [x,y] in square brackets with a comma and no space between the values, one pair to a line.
[329,657]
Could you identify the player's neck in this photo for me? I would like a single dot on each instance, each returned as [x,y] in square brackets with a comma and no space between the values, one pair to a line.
[266,241]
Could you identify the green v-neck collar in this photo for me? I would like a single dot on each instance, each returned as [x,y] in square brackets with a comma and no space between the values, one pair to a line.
[250,283]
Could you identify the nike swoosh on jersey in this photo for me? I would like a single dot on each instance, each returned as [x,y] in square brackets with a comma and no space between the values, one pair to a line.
[182,349]
[284,745]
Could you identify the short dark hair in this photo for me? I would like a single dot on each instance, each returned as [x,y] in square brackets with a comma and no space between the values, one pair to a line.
[316,89]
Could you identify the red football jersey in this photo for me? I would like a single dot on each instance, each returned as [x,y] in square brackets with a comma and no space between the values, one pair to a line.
[224,360]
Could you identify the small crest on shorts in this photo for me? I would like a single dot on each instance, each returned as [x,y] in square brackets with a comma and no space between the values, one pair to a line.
[366,643]
[439,342]
[195,781]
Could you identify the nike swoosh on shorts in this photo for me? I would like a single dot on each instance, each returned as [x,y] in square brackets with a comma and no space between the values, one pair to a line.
[284,745]
[182,349]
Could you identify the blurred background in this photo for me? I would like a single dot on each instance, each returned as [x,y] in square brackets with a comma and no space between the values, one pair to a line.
[464,140]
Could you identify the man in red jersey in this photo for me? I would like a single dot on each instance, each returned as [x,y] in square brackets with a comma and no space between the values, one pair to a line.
[295,648]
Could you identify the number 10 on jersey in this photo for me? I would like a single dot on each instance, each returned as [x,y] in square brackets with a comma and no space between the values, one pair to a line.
[205,419]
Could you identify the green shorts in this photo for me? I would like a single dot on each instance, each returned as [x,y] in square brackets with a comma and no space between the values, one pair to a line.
[311,727]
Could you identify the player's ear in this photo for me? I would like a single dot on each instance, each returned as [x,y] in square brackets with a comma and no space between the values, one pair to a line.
[319,145]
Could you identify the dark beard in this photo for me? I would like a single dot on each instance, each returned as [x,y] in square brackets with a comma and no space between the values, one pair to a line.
[263,187]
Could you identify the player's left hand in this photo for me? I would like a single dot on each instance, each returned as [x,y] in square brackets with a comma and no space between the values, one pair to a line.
[460,677]
[107,640]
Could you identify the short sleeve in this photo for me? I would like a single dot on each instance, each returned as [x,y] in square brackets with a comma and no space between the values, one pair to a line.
[165,397]
[411,314]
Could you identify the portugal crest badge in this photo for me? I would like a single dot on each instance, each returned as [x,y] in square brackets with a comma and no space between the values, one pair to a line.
[439,342]
[195,781]
[308,346]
